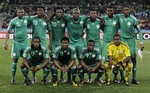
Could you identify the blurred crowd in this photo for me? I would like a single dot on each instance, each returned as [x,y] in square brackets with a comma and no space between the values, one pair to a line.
[140,8]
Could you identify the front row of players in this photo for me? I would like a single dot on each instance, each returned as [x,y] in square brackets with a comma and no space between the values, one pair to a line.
[35,57]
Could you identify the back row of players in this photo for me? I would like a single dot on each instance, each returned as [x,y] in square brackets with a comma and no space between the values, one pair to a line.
[75,25]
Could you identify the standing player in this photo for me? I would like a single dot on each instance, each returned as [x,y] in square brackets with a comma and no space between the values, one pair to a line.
[90,62]
[75,27]
[110,28]
[35,55]
[118,56]
[64,59]
[39,25]
[93,26]
[19,26]
[57,31]
[128,24]
[39,28]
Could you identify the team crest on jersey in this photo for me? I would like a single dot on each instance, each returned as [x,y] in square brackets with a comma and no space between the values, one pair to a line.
[93,56]
[121,51]
[81,22]
[129,23]
[35,22]
[62,25]
[44,23]
[25,21]
[114,23]
[97,26]
[40,53]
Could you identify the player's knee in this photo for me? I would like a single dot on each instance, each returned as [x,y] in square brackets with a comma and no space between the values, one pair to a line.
[106,66]
[47,66]
[79,67]
[101,69]
[130,66]
[22,66]
[115,70]
[15,60]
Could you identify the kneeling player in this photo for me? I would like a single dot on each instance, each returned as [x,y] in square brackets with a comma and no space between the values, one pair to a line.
[64,59]
[118,57]
[35,55]
[90,62]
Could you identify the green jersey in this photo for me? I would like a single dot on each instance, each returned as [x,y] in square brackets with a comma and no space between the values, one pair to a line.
[57,29]
[39,28]
[64,56]
[36,56]
[19,26]
[75,29]
[93,31]
[90,57]
[110,28]
[128,26]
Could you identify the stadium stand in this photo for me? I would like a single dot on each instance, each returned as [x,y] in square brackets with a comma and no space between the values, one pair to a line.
[142,13]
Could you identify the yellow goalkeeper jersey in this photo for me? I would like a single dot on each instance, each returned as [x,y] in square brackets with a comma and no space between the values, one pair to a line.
[118,53]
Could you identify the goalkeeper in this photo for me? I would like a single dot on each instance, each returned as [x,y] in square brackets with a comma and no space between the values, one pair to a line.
[118,57]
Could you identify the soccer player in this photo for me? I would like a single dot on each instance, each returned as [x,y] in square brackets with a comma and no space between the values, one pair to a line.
[57,31]
[128,24]
[19,26]
[110,28]
[75,27]
[90,62]
[64,59]
[118,56]
[39,25]
[34,55]
[39,28]
[93,27]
